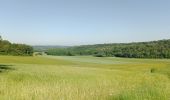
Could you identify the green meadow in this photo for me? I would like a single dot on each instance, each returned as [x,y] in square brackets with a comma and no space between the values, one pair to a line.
[83,78]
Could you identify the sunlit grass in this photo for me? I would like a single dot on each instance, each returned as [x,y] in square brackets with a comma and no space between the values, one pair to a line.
[84,78]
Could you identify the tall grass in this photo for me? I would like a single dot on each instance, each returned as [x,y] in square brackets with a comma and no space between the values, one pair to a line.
[84,78]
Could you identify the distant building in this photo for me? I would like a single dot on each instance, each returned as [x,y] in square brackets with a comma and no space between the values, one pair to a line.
[39,54]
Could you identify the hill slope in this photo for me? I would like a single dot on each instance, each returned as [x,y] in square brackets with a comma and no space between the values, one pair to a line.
[152,49]
[7,48]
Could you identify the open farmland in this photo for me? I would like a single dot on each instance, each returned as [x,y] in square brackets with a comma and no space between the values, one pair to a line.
[83,78]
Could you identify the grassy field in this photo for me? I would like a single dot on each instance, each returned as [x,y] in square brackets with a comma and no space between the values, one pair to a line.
[83,78]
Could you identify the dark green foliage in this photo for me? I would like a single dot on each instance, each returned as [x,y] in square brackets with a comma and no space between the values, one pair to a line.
[69,54]
[4,68]
[153,49]
[7,48]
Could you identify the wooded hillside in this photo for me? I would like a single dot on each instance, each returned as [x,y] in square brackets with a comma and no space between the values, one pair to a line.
[8,48]
[153,49]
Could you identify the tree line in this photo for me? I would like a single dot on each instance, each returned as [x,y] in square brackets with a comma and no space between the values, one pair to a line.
[8,48]
[152,49]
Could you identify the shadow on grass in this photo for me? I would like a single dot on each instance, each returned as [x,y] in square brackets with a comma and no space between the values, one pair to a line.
[4,68]
[165,71]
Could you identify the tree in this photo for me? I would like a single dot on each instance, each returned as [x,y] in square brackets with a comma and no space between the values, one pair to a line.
[0,38]
[7,48]
[153,49]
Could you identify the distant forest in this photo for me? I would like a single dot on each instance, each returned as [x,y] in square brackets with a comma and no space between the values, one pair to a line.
[8,48]
[153,49]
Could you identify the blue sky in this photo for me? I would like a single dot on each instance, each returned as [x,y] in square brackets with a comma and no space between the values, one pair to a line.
[78,22]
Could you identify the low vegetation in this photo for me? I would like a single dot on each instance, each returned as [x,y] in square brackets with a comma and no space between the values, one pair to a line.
[83,78]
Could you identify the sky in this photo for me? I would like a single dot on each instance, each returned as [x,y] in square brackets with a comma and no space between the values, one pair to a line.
[80,22]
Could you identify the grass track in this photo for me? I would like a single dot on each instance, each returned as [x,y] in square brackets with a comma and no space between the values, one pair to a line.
[84,78]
